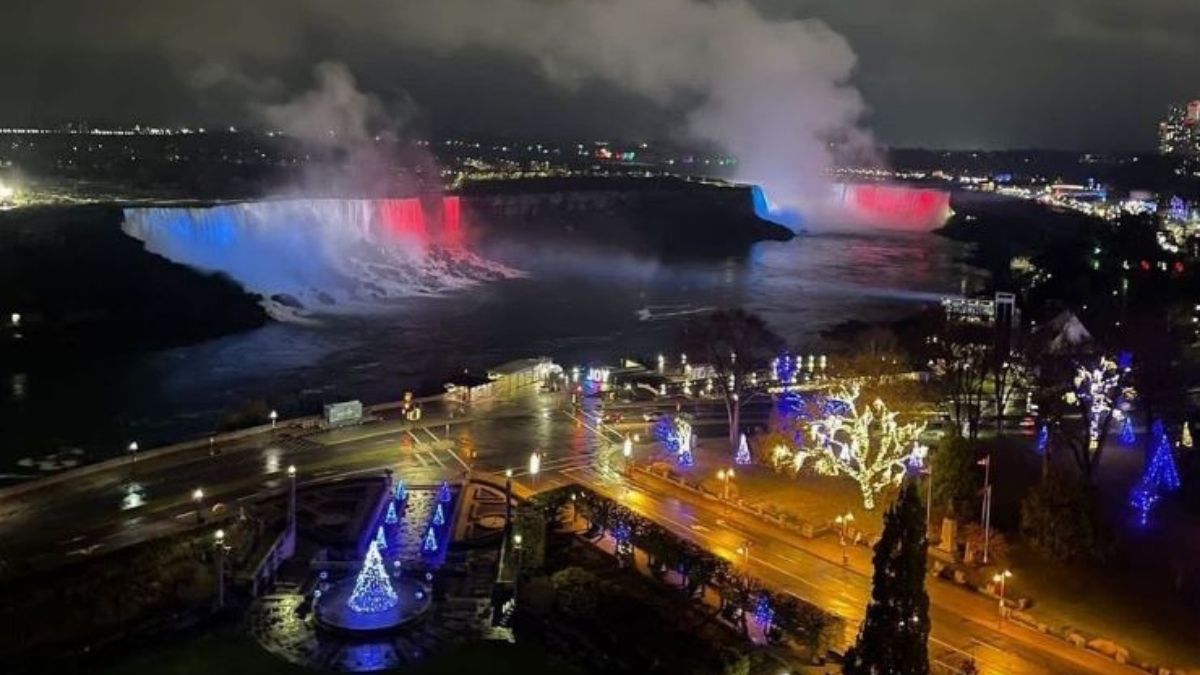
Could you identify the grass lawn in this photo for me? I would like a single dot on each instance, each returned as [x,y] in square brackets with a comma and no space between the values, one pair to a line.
[817,499]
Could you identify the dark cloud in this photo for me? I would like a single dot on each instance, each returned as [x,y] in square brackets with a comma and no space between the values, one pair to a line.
[1071,73]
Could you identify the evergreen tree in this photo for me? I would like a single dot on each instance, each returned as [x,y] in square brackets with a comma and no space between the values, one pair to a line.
[894,635]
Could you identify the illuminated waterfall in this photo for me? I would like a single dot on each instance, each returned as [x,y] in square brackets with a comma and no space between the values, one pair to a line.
[322,255]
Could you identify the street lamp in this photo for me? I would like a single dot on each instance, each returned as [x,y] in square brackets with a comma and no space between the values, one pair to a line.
[221,548]
[133,450]
[198,497]
[725,475]
[1000,578]
[507,497]
[843,523]
[291,472]
[274,416]
[986,516]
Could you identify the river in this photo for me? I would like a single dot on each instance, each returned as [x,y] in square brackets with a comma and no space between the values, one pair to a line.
[578,309]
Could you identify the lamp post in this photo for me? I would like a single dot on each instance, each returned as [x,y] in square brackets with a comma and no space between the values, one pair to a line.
[843,523]
[1000,578]
[507,498]
[274,416]
[986,515]
[133,450]
[291,472]
[198,497]
[725,475]
[517,554]
[221,548]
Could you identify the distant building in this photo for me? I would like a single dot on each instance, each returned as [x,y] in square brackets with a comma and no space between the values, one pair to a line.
[1179,133]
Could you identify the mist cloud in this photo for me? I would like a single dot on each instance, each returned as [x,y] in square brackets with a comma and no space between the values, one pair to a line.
[774,94]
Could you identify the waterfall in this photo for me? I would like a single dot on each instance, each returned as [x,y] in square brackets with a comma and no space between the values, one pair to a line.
[311,256]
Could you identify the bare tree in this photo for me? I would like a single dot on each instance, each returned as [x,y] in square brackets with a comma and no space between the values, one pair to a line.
[732,341]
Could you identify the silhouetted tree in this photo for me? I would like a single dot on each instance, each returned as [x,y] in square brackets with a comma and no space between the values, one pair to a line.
[894,636]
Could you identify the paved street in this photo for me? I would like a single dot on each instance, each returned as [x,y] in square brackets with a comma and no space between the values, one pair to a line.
[51,524]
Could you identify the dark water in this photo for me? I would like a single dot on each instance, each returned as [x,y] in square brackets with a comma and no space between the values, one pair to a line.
[575,308]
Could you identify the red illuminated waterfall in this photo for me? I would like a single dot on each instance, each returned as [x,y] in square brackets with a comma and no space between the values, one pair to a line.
[404,218]
[897,206]
[452,230]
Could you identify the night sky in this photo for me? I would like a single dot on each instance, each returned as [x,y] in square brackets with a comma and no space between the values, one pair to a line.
[1080,74]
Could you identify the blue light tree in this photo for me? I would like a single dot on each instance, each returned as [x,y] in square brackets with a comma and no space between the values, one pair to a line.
[1043,438]
[1160,475]
[373,590]
[380,539]
[430,545]
[764,614]
[444,493]
[439,516]
[392,517]
[743,451]
[401,491]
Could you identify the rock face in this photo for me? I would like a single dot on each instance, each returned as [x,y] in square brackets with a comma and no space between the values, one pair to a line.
[661,217]
[80,284]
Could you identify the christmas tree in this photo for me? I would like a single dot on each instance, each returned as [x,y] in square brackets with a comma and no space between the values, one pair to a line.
[743,451]
[894,635]
[380,539]
[439,516]
[391,518]
[373,590]
[1160,475]
[1185,439]
[401,491]
[430,545]
[444,493]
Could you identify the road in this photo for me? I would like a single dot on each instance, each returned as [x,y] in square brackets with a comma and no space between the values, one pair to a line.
[106,510]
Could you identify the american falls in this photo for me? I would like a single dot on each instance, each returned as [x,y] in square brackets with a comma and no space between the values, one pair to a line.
[314,256]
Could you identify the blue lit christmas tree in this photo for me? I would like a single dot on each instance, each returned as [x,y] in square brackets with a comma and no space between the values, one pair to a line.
[392,517]
[401,491]
[444,493]
[380,539]
[373,590]
[430,545]
[1043,438]
[439,516]
[764,614]
[1160,475]
[743,451]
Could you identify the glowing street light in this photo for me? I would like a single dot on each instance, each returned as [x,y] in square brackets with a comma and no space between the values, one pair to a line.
[198,497]
[219,545]
[133,450]
[725,475]
[1001,578]
[291,472]
[843,523]
[274,416]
